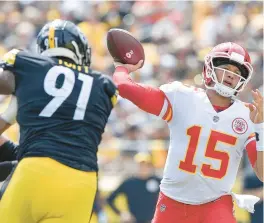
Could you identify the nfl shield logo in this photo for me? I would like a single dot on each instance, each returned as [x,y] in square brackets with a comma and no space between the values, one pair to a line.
[215,119]
[162,208]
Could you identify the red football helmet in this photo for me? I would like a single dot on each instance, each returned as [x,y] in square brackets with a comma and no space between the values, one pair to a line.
[227,53]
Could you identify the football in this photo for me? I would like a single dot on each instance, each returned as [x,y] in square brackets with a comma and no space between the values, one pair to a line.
[123,47]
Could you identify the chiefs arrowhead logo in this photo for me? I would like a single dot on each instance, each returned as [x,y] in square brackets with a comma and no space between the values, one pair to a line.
[239,125]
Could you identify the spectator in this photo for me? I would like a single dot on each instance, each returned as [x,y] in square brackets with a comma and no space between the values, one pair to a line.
[98,209]
[141,192]
[170,54]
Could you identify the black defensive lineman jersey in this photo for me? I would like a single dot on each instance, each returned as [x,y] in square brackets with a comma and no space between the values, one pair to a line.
[62,108]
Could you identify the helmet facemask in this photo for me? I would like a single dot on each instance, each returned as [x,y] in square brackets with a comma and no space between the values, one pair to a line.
[212,63]
[87,51]
[87,57]
[69,42]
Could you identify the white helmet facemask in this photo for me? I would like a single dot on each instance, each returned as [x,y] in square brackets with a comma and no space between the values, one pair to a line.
[220,86]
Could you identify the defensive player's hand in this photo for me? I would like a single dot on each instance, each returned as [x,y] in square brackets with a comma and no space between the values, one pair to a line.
[256,107]
[130,67]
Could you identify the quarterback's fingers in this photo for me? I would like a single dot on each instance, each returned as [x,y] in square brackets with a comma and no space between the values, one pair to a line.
[258,109]
[247,105]
[253,112]
[139,64]
[250,106]
[255,104]
[258,99]
[257,96]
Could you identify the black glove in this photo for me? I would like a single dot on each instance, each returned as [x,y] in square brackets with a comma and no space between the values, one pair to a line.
[6,168]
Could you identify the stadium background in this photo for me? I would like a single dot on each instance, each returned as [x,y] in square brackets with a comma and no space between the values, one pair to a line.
[175,35]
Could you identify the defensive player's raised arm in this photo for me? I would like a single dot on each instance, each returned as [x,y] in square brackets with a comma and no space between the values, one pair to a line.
[8,117]
[3,125]
[147,98]
[7,77]
[7,82]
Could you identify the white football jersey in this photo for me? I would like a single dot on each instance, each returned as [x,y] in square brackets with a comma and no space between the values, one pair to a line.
[205,146]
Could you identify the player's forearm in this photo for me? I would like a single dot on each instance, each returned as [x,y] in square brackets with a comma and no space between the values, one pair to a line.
[7,82]
[147,98]
[111,203]
[8,117]
[259,129]
[114,208]
[259,165]
[3,126]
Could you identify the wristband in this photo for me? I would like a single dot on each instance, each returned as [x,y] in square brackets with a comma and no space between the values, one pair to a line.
[9,115]
[259,131]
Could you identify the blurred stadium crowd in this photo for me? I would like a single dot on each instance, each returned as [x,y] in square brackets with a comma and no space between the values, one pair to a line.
[176,35]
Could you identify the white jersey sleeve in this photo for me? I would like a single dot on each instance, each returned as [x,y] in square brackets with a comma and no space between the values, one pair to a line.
[172,92]
[170,88]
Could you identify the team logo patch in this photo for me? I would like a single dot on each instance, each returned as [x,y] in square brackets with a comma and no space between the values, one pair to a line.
[239,126]
[162,208]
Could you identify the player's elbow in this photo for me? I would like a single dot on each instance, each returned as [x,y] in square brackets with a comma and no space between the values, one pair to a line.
[6,89]
[7,82]
[125,91]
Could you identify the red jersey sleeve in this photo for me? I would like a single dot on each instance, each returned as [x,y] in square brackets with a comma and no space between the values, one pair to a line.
[147,98]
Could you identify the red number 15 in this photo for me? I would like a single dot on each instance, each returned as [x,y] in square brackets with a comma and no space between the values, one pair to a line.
[210,152]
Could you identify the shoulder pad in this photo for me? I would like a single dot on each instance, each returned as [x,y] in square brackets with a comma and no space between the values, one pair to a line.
[170,86]
[10,57]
